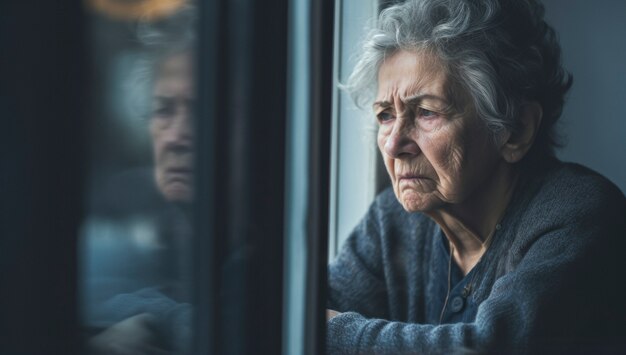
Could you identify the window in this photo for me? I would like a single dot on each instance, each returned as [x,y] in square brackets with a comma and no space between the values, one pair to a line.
[137,234]
[354,153]
[278,157]
[78,144]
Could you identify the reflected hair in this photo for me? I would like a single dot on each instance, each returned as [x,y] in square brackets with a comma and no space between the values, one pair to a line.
[500,52]
[158,41]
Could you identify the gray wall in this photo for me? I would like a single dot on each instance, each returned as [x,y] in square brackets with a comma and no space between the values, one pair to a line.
[593,38]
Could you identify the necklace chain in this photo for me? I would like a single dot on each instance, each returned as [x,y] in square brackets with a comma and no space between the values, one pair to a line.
[467,290]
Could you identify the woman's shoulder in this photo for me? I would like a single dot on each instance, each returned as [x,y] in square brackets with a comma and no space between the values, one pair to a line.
[577,174]
[566,186]
[570,196]
[565,210]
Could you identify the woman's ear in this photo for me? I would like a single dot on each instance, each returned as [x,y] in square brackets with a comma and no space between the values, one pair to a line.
[518,143]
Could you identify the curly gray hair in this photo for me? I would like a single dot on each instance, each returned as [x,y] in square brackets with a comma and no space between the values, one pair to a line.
[158,41]
[501,52]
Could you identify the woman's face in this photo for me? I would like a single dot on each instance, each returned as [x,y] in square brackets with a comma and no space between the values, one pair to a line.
[436,150]
[171,128]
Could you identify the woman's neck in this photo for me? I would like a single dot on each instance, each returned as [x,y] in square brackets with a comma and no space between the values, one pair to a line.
[470,225]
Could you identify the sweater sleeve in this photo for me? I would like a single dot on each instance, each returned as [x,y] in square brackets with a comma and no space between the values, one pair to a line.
[561,297]
[355,277]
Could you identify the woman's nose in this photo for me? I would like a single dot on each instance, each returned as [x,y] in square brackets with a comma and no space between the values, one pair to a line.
[401,141]
[180,131]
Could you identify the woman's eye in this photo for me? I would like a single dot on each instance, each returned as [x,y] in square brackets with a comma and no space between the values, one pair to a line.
[384,117]
[163,111]
[427,113]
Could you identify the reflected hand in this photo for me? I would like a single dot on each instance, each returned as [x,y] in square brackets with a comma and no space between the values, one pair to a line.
[330,314]
[132,336]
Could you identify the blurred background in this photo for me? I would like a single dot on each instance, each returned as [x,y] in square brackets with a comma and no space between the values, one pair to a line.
[593,39]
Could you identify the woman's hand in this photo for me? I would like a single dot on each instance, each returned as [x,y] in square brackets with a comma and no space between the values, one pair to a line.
[132,336]
[330,314]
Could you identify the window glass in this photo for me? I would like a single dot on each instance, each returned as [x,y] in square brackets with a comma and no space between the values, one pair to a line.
[354,155]
[135,239]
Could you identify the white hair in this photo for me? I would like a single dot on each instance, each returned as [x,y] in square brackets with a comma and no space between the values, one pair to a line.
[501,52]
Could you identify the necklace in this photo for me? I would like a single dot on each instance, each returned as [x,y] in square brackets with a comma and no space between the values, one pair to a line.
[467,290]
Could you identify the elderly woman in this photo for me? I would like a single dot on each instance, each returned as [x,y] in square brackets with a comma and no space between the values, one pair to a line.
[485,242]
[137,293]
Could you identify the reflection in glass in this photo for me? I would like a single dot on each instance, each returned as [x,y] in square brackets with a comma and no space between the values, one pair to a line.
[137,232]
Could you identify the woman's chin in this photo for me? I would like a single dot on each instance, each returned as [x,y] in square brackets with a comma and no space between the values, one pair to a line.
[177,192]
[416,201]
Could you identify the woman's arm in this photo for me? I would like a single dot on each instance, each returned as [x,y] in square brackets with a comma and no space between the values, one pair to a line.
[561,296]
[355,278]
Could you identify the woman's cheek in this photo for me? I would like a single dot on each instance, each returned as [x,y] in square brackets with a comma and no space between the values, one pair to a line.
[430,123]
[383,134]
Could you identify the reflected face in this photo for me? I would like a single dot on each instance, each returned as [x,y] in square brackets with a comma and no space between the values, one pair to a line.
[436,150]
[171,128]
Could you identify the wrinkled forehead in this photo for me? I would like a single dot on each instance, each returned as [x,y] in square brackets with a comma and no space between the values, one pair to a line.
[175,64]
[406,74]
[174,75]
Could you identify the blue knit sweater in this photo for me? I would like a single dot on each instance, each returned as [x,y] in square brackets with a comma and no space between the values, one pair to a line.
[549,283]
